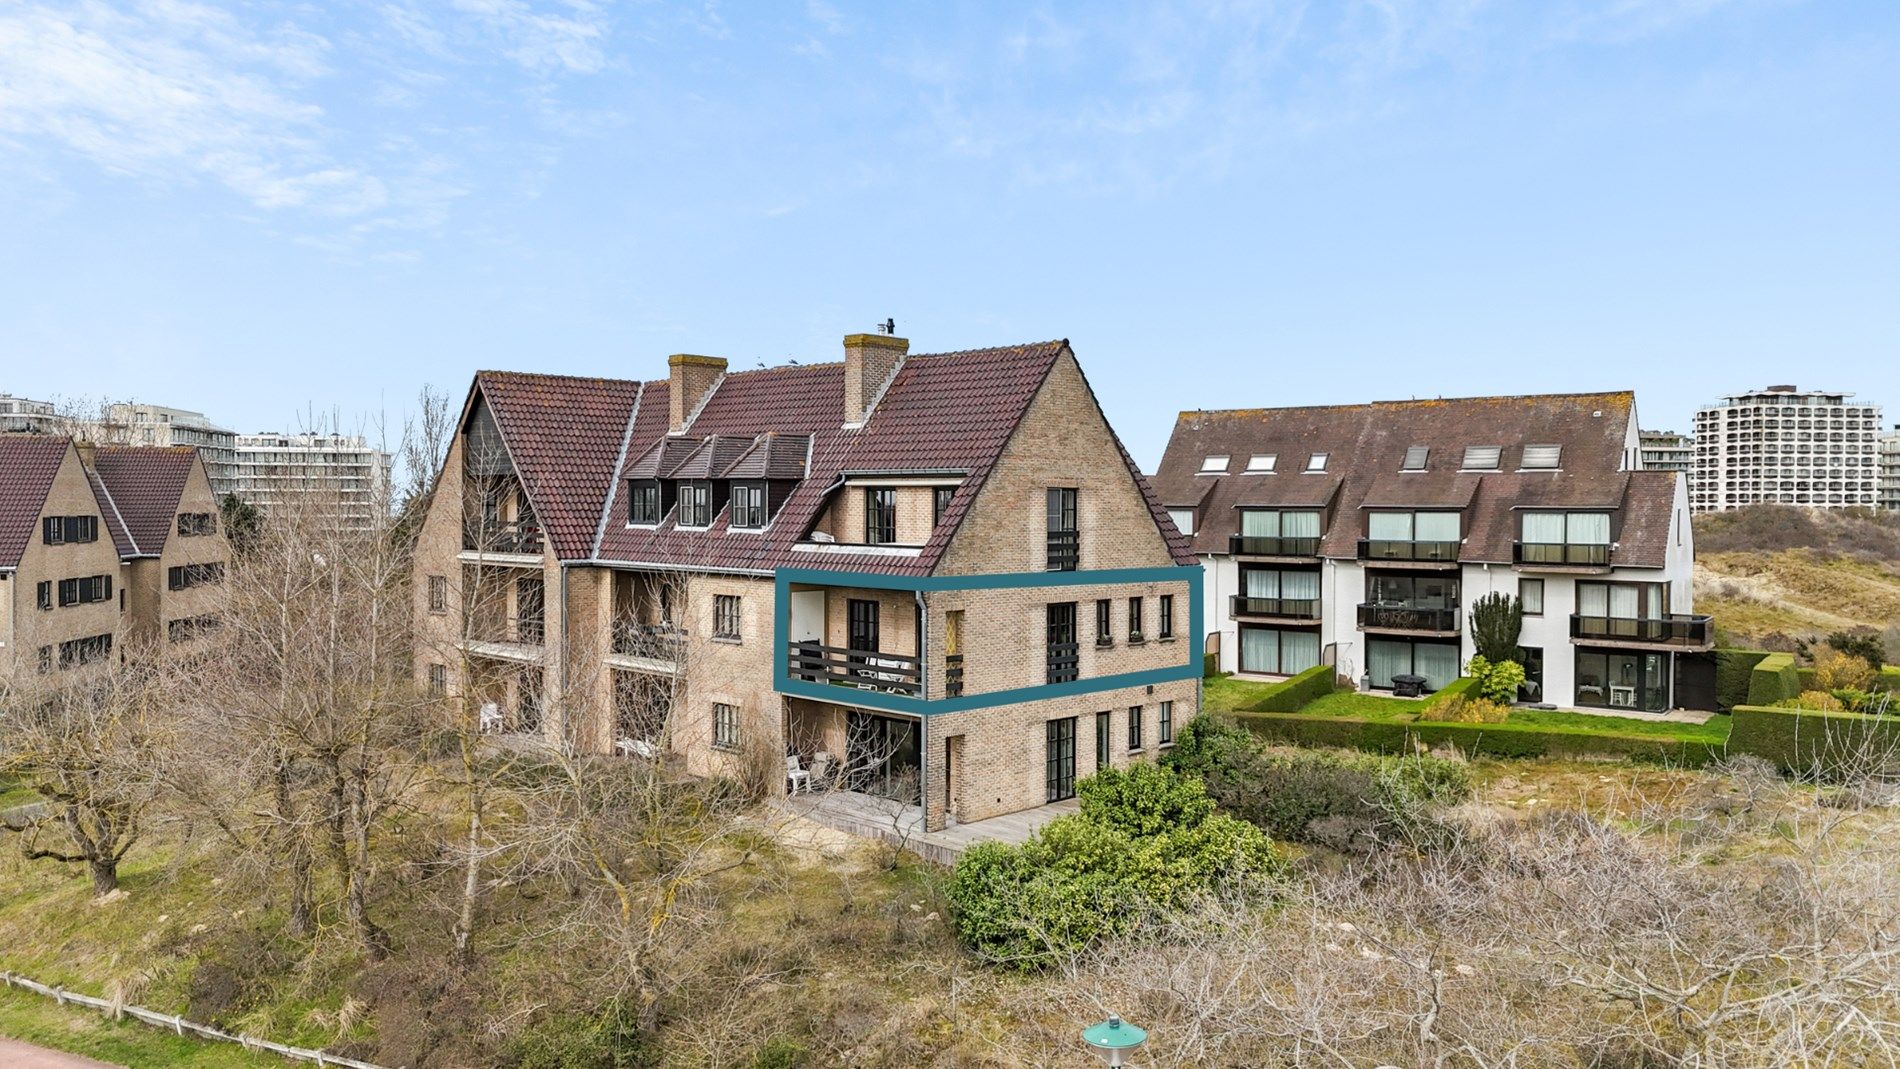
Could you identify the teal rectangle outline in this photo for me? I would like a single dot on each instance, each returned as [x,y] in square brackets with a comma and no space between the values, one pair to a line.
[900,703]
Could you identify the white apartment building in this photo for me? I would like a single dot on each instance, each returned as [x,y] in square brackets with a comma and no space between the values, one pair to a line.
[21,416]
[270,465]
[1809,448]
[156,425]
[1889,482]
[1667,451]
[1361,535]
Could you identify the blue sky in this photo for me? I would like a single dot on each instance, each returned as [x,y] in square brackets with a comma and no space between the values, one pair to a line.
[268,210]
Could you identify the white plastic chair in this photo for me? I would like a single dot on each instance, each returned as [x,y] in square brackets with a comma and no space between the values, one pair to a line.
[491,717]
[796,777]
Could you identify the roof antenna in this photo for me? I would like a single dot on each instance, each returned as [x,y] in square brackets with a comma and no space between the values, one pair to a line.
[889,326]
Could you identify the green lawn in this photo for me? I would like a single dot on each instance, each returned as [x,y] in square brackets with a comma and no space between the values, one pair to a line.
[1225,692]
[41,1021]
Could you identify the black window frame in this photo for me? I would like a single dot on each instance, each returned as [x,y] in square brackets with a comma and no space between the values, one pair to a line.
[1059,769]
[1164,617]
[644,501]
[939,502]
[1063,546]
[43,595]
[695,503]
[187,576]
[1060,657]
[1164,725]
[880,515]
[726,617]
[1524,582]
[1103,732]
[84,590]
[725,725]
[1104,622]
[1134,729]
[1134,619]
[69,530]
[439,593]
[438,680]
[748,506]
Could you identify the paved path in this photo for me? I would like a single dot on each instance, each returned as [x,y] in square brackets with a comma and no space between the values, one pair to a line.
[17,1055]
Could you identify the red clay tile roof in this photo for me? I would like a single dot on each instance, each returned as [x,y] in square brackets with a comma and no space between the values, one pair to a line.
[143,485]
[115,523]
[28,463]
[948,413]
[563,434]
[1366,447]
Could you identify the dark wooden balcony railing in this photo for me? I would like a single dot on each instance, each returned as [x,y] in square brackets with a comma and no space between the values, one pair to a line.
[1065,551]
[895,673]
[1567,554]
[1394,549]
[502,538]
[1271,546]
[1674,630]
[663,642]
[1291,608]
[1408,618]
[953,675]
[1064,663]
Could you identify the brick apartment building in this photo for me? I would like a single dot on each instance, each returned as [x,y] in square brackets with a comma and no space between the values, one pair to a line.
[102,549]
[1360,535]
[942,572]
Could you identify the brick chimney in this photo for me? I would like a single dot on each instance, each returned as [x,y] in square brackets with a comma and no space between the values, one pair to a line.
[869,362]
[689,378]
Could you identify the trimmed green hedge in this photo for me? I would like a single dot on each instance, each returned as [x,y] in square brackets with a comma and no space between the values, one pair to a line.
[1774,679]
[1457,688]
[1210,665]
[1293,693]
[1494,740]
[1802,740]
[1733,670]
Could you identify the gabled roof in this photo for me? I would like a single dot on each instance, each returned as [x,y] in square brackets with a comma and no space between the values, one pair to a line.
[28,465]
[143,487]
[563,434]
[948,414]
[1366,447]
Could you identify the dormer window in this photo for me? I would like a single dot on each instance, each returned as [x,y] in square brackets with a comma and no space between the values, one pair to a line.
[643,501]
[1482,457]
[695,504]
[1214,465]
[748,505]
[1262,462]
[1546,457]
[1415,458]
[1316,462]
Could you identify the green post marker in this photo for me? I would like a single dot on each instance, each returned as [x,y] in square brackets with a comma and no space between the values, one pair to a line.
[1113,1037]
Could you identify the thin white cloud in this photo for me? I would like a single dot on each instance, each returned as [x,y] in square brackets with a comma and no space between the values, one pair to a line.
[181,92]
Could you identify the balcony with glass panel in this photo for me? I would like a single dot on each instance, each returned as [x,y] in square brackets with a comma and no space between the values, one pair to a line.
[1269,533]
[1277,595]
[1563,541]
[1412,538]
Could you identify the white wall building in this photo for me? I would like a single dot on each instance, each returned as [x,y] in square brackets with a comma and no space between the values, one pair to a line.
[1808,448]
[1889,483]
[271,465]
[156,425]
[1667,451]
[21,416]
[1361,536]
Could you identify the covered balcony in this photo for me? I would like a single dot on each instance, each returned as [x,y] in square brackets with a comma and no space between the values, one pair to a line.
[1563,556]
[1675,631]
[1401,619]
[645,635]
[1293,546]
[854,639]
[1408,551]
[1289,610]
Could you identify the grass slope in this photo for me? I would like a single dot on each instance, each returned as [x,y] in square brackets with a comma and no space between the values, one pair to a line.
[1350,705]
[40,1021]
[1775,571]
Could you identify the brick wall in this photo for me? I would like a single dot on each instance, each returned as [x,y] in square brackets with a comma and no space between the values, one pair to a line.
[70,495]
[153,581]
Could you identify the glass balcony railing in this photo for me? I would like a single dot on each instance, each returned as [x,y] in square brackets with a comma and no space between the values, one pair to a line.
[1565,554]
[1409,618]
[1393,549]
[1272,546]
[1672,630]
[1290,608]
